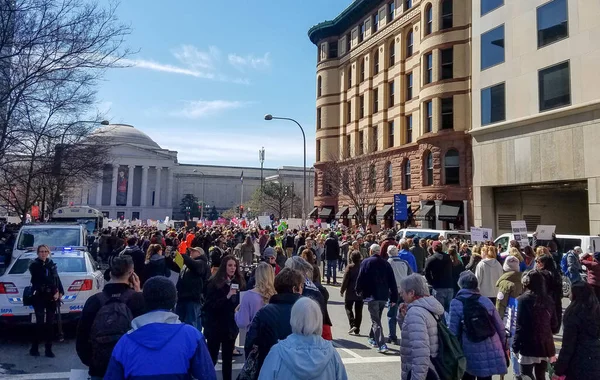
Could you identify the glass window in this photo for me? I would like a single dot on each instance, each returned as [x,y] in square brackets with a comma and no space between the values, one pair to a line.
[361,142]
[376,61]
[375,22]
[372,178]
[446,14]
[349,77]
[409,44]
[375,138]
[452,167]
[391,93]
[428,68]
[552,22]
[318,118]
[358,185]
[447,113]
[348,145]
[429,169]
[392,54]
[447,63]
[362,70]
[428,116]
[375,100]
[362,106]
[407,5]
[409,86]
[318,150]
[408,129]
[333,49]
[490,5]
[555,86]
[52,237]
[319,85]
[406,170]
[388,176]
[346,182]
[348,111]
[493,104]
[492,47]
[390,134]
[391,10]
[64,264]
[348,42]
[361,33]
[428,20]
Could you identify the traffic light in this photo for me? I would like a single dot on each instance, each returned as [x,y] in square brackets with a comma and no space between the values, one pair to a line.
[241,211]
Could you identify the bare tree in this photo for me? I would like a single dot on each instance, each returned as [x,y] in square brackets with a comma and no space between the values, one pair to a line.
[276,198]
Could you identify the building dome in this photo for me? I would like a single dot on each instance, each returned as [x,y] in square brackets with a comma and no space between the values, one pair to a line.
[126,134]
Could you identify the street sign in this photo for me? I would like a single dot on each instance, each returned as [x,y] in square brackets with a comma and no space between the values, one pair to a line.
[400,207]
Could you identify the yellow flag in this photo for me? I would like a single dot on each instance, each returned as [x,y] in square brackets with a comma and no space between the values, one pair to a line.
[178,259]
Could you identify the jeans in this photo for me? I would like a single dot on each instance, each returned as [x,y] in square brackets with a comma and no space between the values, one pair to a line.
[332,266]
[514,360]
[44,329]
[355,319]
[375,311]
[227,345]
[444,295]
[392,316]
[342,262]
[190,312]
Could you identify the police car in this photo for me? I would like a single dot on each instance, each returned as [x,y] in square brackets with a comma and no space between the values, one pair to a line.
[79,274]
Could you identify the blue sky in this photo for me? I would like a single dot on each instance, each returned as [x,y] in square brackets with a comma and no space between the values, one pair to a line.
[207,72]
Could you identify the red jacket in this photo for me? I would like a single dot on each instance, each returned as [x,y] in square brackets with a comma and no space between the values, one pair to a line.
[593,273]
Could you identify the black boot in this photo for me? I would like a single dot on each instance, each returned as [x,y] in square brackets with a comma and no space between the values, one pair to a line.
[34,351]
[49,353]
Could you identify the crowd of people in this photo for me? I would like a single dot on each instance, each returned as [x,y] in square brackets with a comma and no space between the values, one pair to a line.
[268,289]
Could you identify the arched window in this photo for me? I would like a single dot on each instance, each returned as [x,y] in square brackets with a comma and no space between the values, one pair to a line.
[446,14]
[346,182]
[392,53]
[409,44]
[358,181]
[350,77]
[372,178]
[406,172]
[388,176]
[319,84]
[428,19]
[428,169]
[376,61]
[452,167]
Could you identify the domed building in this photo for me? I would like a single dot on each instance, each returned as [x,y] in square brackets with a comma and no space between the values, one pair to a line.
[144,181]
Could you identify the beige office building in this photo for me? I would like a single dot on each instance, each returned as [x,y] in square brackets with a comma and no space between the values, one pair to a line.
[536,114]
[393,83]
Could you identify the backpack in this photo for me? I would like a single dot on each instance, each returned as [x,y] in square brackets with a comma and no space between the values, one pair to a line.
[400,267]
[476,320]
[112,321]
[450,363]
[564,261]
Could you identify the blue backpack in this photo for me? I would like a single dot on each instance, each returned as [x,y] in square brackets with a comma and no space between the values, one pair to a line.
[564,266]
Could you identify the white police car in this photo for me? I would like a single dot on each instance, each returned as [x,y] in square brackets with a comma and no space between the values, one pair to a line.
[79,274]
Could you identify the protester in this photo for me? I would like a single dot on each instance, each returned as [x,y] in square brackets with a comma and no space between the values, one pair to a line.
[332,255]
[348,291]
[136,254]
[419,253]
[308,255]
[401,269]
[156,264]
[464,253]
[222,298]
[579,357]
[47,292]
[376,284]
[477,324]
[592,263]
[253,300]
[270,259]
[319,359]
[407,256]
[438,272]
[417,315]
[390,240]
[488,273]
[247,251]
[545,264]
[457,267]
[280,257]
[193,277]
[159,345]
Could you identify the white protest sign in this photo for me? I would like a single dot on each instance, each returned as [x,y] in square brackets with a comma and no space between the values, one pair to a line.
[519,230]
[294,223]
[161,226]
[264,220]
[113,224]
[545,232]
[481,234]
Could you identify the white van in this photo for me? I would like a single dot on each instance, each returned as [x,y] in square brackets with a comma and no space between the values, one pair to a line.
[565,242]
[422,233]
[53,235]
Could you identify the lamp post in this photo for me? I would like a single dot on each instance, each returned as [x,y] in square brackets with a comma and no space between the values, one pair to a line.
[203,188]
[271,117]
[261,158]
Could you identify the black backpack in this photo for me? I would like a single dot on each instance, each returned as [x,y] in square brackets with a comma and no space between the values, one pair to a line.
[112,321]
[477,321]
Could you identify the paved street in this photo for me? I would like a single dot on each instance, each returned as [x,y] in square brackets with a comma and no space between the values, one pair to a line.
[362,362]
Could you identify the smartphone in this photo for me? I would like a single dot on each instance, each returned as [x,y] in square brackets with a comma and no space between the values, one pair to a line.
[235,286]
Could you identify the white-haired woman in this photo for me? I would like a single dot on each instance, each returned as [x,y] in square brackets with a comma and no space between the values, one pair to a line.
[319,359]
[419,328]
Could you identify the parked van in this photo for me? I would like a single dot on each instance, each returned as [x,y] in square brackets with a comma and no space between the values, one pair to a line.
[421,233]
[565,242]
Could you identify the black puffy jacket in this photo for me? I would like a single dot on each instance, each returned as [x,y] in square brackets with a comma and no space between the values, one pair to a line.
[44,279]
[193,279]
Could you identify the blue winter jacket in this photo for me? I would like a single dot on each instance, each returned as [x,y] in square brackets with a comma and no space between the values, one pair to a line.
[406,255]
[160,347]
[485,358]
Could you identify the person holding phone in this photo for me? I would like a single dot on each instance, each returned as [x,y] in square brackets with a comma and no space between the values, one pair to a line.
[222,298]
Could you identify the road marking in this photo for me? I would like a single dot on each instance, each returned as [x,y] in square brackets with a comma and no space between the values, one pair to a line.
[346,350]
[38,376]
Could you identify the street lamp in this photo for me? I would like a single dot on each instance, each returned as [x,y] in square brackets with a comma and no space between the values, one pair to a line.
[261,158]
[203,188]
[271,117]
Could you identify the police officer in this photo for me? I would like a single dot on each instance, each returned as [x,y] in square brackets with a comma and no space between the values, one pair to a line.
[47,292]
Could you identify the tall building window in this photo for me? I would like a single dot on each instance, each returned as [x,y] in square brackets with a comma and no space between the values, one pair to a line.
[350,77]
[361,34]
[492,47]
[348,111]
[446,14]
[391,93]
[376,61]
[552,22]
[390,134]
[318,150]
[391,11]
[392,53]
[489,5]
[375,100]
[372,178]
[428,68]
[333,49]
[493,104]
[406,172]
[361,142]
[428,116]
[319,85]
[409,86]
[362,70]
[375,22]
[409,44]
[362,106]
[348,146]
[388,177]
[447,113]
[428,169]
[452,167]
[319,118]
[407,5]
[447,63]
[348,42]
[409,129]
[375,138]
[358,181]
[555,86]
[428,19]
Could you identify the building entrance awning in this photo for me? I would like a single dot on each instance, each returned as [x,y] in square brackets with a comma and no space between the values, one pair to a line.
[352,213]
[313,213]
[342,213]
[450,211]
[384,212]
[425,213]
[326,212]
[370,210]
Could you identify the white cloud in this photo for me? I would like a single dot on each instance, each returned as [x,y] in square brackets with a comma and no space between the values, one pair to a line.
[197,59]
[155,66]
[201,108]
[250,61]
